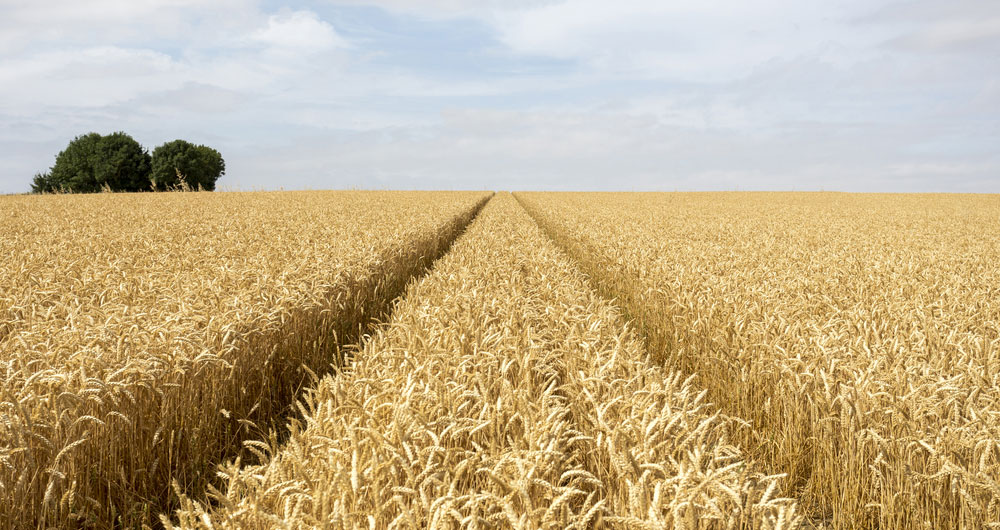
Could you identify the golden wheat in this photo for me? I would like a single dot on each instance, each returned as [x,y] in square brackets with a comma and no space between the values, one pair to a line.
[142,337]
[503,393]
[858,334]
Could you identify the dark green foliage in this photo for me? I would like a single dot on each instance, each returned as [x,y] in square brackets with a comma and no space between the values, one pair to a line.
[74,167]
[121,164]
[116,162]
[43,183]
[199,165]
[92,162]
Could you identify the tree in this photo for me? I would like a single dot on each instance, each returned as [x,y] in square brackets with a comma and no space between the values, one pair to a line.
[199,165]
[121,164]
[74,167]
[43,183]
[92,162]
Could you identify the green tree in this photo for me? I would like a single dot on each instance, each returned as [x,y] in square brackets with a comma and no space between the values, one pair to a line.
[43,183]
[199,165]
[92,162]
[121,164]
[74,167]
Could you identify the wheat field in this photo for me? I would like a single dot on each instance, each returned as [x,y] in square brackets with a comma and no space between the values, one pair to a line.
[379,360]
[503,393]
[859,335]
[143,337]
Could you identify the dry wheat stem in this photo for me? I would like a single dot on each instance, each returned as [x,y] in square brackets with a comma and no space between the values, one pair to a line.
[143,336]
[858,334]
[503,393]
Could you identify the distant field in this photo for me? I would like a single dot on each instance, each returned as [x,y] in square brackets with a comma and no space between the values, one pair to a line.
[858,334]
[575,360]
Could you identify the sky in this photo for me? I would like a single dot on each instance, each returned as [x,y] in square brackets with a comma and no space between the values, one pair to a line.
[847,95]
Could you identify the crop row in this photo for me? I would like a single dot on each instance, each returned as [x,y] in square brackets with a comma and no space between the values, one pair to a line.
[859,335]
[503,393]
[143,337]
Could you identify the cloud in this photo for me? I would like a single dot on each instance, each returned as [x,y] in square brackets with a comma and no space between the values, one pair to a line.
[652,39]
[952,36]
[558,94]
[299,31]
[61,24]
[957,26]
[559,150]
[196,98]
[90,76]
[683,40]
[446,8]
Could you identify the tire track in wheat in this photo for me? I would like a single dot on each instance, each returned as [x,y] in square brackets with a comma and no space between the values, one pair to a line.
[503,393]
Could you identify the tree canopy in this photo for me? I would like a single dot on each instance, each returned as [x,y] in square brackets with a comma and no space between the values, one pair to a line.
[92,162]
[121,163]
[74,168]
[199,165]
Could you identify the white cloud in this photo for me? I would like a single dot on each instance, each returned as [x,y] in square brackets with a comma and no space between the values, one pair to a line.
[446,8]
[590,94]
[198,98]
[681,39]
[27,26]
[247,51]
[87,77]
[953,35]
[300,31]
[956,26]
[689,39]
[601,151]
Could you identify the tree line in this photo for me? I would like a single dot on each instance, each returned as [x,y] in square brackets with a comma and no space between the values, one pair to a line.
[116,162]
